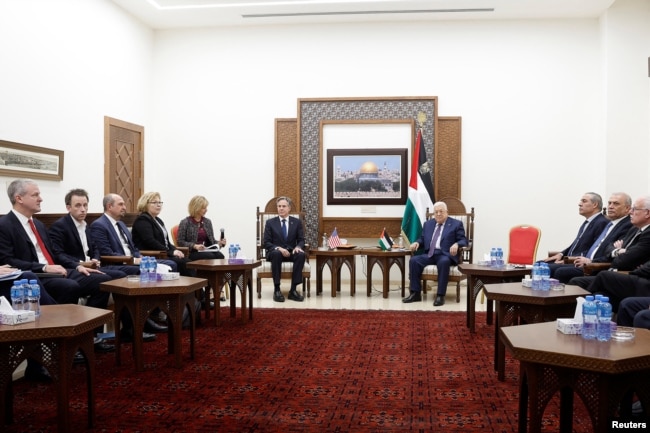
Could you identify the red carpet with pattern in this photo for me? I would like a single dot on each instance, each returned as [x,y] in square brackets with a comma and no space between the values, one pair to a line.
[303,371]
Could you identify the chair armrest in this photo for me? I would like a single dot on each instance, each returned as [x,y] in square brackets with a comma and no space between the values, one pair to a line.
[154,253]
[89,265]
[117,260]
[594,268]
[44,275]
[569,260]
[184,250]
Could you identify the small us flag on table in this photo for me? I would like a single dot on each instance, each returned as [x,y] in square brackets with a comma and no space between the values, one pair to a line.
[334,240]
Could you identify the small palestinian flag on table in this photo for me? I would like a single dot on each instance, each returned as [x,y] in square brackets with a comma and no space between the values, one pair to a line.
[385,242]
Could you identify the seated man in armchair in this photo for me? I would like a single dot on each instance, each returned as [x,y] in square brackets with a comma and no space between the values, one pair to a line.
[442,238]
[284,241]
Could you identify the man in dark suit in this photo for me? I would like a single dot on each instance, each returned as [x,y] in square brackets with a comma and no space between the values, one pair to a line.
[633,250]
[25,244]
[618,213]
[112,236]
[590,207]
[284,241]
[442,238]
[71,239]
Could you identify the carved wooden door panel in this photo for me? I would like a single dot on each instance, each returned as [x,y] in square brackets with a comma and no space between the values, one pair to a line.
[123,161]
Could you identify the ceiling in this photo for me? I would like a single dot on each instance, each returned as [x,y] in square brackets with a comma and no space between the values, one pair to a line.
[169,14]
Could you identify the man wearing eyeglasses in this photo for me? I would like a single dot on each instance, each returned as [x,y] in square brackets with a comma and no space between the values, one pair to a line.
[632,253]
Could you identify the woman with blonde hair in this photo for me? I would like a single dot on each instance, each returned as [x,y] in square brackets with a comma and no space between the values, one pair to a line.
[196,233]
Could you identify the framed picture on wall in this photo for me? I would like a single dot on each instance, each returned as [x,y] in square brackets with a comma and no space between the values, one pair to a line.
[23,160]
[367,176]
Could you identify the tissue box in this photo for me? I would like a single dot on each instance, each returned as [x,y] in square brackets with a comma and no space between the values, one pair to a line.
[569,326]
[527,282]
[14,317]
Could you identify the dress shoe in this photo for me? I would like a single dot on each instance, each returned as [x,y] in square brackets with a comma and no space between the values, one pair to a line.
[127,337]
[295,296]
[37,373]
[79,358]
[153,328]
[104,348]
[413,297]
[440,300]
[278,297]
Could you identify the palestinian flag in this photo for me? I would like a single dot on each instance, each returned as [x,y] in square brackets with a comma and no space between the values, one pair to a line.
[385,242]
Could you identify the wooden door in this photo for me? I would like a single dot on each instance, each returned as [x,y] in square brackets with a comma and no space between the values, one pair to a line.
[123,160]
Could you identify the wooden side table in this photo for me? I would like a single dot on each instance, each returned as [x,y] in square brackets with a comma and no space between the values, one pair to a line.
[384,259]
[219,271]
[516,304]
[335,260]
[171,296]
[477,277]
[604,374]
[62,329]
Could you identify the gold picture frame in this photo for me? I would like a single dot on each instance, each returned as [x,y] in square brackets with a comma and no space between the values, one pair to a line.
[23,160]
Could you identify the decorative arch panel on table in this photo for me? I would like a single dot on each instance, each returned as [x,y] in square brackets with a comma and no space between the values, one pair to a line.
[298,142]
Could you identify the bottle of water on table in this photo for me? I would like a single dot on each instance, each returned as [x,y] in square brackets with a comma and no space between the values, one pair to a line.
[589,318]
[34,297]
[144,270]
[604,331]
[500,257]
[17,295]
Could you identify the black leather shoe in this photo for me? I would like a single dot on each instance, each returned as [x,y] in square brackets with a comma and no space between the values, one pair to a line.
[295,296]
[37,373]
[79,358]
[440,300]
[152,327]
[278,297]
[203,305]
[127,337]
[413,297]
[104,348]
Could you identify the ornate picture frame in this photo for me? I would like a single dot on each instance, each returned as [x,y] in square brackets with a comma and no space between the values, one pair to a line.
[367,176]
[23,160]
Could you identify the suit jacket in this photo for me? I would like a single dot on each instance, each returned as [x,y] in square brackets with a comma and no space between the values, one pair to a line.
[66,243]
[273,234]
[148,236]
[17,250]
[188,233]
[452,232]
[636,253]
[604,250]
[107,241]
[589,236]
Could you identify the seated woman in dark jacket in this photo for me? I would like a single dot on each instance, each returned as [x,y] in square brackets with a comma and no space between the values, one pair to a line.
[149,232]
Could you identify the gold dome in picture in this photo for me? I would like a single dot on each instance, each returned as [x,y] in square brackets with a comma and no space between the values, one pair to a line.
[369,167]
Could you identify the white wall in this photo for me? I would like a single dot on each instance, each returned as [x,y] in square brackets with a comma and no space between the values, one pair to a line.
[547,106]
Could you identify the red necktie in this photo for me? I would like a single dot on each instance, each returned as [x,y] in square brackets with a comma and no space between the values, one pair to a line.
[40,243]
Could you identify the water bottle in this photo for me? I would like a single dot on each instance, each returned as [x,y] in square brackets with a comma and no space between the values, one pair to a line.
[589,318]
[237,250]
[231,251]
[34,297]
[153,268]
[500,257]
[604,330]
[324,243]
[144,270]
[545,271]
[17,295]
[536,276]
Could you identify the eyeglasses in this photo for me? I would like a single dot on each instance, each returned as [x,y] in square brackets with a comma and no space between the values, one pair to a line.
[156,203]
[634,209]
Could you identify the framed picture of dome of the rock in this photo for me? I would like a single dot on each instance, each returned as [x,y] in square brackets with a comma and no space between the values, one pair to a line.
[366,176]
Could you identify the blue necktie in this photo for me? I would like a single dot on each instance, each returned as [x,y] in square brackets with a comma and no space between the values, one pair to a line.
[599,241]
[573,245]
[434,240]
[284,229]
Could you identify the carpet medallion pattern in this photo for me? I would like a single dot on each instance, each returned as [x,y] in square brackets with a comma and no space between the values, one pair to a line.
[303,371]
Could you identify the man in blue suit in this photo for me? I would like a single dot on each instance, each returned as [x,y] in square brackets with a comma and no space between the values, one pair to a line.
[284,241]
[590,207]
[442,238]
[112,236]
